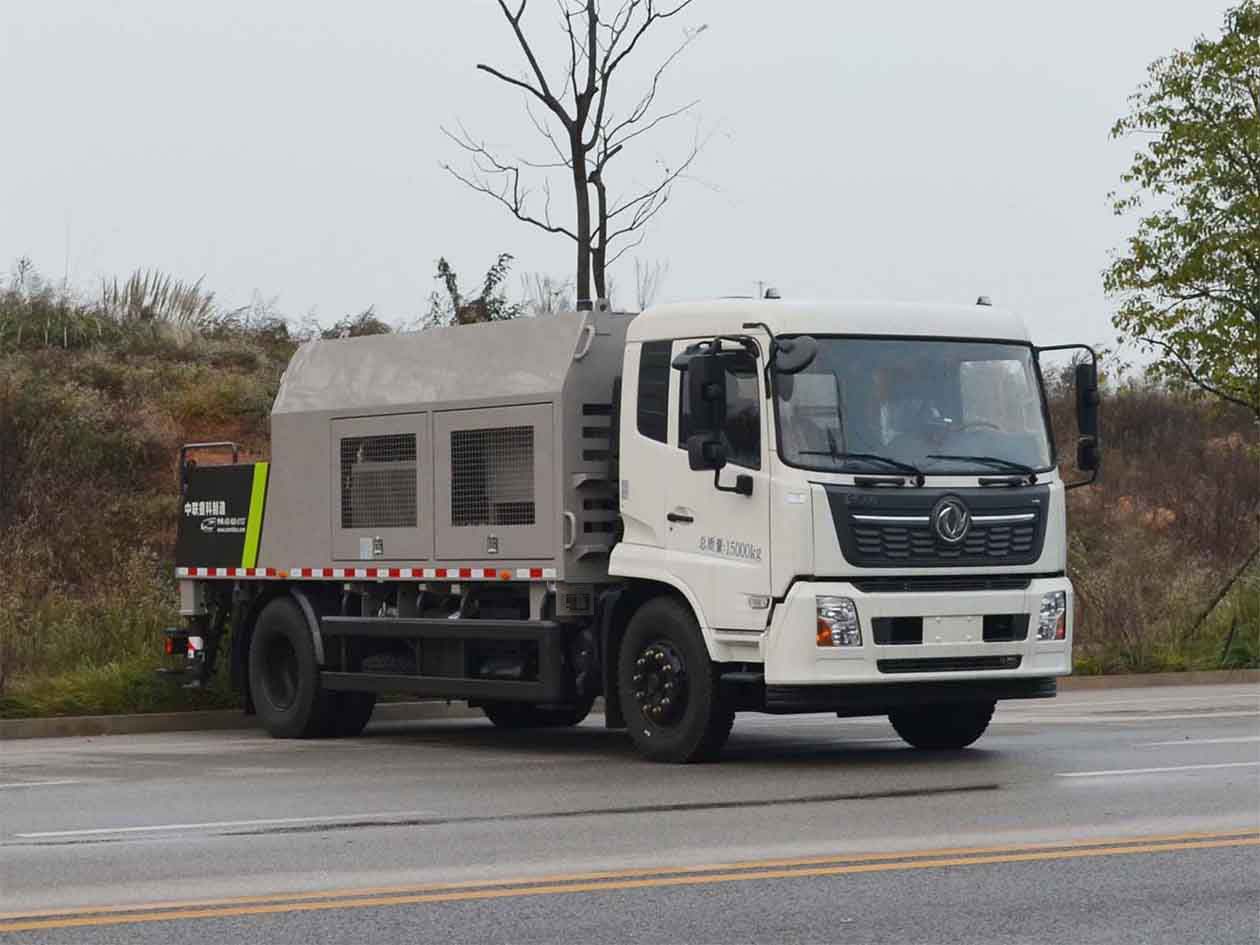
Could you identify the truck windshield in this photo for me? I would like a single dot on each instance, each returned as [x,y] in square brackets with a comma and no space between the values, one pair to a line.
[944,407]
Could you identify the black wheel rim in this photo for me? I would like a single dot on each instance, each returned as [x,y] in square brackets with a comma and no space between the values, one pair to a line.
[660,683]
[280,672]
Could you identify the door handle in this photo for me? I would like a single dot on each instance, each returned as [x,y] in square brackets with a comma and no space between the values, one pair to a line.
[681,516]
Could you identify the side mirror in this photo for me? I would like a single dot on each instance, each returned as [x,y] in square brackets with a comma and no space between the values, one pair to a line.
[1087,458]
[705,451]
[706,395]
[793,355]
[1087,400]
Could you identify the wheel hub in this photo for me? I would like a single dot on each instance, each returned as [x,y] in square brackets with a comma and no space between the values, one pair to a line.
[660,683]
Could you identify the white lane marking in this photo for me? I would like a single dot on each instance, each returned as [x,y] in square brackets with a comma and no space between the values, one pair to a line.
[15,784]
[1029,719]
[1241,739]
[1101,774]
[383,819]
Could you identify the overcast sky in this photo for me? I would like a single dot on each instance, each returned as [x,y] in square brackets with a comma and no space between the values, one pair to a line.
[910,150]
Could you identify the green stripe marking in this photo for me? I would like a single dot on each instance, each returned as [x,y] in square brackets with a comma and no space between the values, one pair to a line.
[253,527]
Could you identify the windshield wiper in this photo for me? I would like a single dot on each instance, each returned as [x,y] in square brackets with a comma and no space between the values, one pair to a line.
[996,461]
[836,454]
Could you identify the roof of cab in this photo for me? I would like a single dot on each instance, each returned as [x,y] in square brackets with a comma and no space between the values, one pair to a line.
[725,316]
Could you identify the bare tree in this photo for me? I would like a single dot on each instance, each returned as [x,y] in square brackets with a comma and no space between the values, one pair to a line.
[546,295]
[584,132]
[648,279]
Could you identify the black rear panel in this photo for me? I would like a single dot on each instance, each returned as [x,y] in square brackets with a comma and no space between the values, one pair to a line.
[214,516]
[883,528]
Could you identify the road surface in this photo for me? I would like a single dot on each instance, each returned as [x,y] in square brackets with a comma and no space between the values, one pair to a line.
[1107,816]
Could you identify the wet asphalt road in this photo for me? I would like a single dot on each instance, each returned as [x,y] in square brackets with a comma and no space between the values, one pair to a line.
[1120,815]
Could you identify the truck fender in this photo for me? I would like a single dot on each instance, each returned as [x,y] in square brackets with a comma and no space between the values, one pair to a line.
[609,635]
[616,607]
[312,622]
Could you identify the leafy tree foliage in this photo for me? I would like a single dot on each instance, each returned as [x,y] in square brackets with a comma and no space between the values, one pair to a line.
[1189,278]
[489,305]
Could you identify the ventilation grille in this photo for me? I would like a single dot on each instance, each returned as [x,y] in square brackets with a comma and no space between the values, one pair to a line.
[944,582]
[378,481]
[949,664]
[492,476]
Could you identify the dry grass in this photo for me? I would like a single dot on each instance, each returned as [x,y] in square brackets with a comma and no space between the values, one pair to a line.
[90,424]
[1174,514]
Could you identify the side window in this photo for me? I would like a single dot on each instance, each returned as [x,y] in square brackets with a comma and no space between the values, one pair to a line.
[653,405]
[742,433]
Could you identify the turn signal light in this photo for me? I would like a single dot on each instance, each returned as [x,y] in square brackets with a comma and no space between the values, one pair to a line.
[838,622]
[1052,618]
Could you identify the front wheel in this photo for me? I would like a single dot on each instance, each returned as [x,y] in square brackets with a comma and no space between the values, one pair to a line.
[669,688]
[939,727]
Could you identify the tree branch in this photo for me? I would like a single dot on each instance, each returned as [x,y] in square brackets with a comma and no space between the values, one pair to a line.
[1196,379]
[511,195]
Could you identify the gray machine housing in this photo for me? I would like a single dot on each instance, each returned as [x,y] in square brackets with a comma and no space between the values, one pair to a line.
[485,445]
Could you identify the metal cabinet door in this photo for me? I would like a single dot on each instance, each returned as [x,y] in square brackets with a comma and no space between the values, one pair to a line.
[494,478]
[382,493]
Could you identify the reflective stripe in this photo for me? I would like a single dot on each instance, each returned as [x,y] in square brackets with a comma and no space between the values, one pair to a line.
[378,574]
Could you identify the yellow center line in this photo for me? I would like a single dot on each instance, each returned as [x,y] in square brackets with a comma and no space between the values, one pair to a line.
[548,879]
[592,882]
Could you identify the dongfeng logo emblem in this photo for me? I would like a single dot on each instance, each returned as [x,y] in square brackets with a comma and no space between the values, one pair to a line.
[951,520]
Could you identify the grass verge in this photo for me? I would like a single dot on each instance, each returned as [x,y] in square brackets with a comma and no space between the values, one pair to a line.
[111,689]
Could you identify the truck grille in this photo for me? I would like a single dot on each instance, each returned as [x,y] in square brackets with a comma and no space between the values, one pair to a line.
[893,528]
[900,543]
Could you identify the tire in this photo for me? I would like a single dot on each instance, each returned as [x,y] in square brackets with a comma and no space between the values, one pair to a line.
[940,727]
[527,715]
[669,688]
[349,713]
[284,674]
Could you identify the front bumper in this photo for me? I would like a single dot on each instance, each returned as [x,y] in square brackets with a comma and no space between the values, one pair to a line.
[793,658]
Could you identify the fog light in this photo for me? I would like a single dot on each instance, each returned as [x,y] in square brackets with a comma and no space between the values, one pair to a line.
[1052,620]
[838,622]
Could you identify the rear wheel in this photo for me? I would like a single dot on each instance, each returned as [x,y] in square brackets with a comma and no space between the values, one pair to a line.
[669,688]
[528,715]
[942,726]
[284,674]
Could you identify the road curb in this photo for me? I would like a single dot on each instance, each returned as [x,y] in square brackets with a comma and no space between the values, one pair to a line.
[1218,677]
[229,719]
[205,720]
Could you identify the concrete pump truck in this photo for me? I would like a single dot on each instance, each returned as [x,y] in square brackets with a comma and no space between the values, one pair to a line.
[696,511]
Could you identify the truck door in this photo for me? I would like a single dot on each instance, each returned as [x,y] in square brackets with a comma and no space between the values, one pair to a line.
[718,543]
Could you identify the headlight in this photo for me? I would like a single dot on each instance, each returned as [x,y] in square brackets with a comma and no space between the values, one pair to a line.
[1052,621]
[838,622]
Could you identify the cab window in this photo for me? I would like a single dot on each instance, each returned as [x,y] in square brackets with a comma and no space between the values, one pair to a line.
[652,411]
[742,432]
